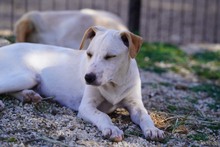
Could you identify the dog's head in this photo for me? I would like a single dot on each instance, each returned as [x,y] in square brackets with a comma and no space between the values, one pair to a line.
[108,54]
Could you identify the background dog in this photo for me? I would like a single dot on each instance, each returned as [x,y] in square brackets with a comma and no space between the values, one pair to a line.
[62,28]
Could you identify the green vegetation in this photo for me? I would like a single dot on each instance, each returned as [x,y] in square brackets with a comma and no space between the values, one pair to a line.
[208,64]
[192,100]
[129,133]
[12,139]
[161,57]
[153,54]
[9,38]
[172,108]
[207,56]
[198,137]
[212,90]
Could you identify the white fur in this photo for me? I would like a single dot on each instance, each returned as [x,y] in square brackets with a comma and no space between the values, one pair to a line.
[59,72]
[63,28]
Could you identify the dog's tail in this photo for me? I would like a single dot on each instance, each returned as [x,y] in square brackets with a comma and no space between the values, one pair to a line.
[23,29]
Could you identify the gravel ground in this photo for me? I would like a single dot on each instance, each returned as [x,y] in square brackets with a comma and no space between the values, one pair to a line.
[184,114]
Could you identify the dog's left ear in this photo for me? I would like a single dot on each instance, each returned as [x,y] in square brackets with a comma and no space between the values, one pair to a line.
[89,34]
[133,42]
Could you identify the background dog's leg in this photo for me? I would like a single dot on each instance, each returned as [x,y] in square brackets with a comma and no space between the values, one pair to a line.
[140,116]
[17,82]
[89,112]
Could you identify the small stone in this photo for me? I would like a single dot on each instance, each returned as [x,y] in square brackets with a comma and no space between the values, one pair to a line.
[54,112]
[61,138]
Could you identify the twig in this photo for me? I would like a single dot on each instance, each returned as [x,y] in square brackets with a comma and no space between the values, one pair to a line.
[190,118]
[32,140]
[169,118]
[44,138]
[48,98]
[52,141]
[175,125]
[174,117]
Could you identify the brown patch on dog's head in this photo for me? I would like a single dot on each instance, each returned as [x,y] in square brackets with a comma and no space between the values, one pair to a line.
[23,29]
[133,42]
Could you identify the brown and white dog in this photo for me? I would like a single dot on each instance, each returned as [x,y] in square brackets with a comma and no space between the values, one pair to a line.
[63,28]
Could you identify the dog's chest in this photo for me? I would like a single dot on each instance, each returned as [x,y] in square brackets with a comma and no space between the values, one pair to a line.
[114,94]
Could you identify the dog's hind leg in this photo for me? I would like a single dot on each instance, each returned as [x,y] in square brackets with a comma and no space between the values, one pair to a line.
[18,85]
[27,96]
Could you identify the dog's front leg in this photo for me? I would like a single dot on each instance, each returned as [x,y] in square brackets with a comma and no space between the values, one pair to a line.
[140,116]
[89,112]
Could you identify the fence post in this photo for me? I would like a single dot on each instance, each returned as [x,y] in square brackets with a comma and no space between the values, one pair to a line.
[134,15]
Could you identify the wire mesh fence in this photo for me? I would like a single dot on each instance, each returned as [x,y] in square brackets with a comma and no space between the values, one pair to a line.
[181,20]
[175,21]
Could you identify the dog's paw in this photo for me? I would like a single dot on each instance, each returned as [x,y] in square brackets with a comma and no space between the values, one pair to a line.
[154,134]
[2,106]
[31,96]
[113,133]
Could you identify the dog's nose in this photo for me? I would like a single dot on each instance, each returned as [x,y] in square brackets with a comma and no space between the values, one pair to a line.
[90,78]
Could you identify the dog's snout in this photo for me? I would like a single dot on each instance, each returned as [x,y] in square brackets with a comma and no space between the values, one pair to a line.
[90,78]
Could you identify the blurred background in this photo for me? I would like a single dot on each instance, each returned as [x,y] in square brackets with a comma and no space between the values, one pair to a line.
[172,21]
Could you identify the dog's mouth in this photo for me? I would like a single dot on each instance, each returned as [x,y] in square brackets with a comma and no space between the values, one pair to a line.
[94,84]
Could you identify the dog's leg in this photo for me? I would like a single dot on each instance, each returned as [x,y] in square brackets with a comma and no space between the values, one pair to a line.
[140,116]
[27,96]
[17,85]
[17,81]
[89,112]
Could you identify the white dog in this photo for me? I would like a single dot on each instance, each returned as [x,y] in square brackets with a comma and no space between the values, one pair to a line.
[94,81]
[62,28]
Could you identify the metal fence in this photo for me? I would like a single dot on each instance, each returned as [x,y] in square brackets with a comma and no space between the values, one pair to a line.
[175,21]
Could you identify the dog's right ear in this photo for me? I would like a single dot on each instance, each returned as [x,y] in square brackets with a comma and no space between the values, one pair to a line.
[23,29]
[89,34]
[133,42]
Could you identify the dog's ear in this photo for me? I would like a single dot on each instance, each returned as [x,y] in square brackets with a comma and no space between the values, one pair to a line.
[133,42]
[89,34]
[23,29]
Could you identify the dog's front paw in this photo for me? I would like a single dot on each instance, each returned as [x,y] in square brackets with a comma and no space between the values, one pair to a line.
[113,133]
[154,134]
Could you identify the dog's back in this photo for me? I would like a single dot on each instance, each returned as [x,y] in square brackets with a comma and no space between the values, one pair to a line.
[62,28]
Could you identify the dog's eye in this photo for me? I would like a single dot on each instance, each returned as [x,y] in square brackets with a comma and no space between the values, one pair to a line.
[109,57]
[89,55]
